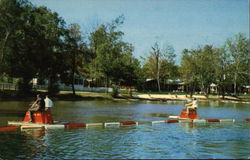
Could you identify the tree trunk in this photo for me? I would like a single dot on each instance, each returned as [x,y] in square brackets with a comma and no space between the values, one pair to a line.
[130,91]
[223,91]
[206,91]
[4,42]
[106,84]
[73,83]
[235,84]
[191,90]
[73,73]
[49,84]
[158,84]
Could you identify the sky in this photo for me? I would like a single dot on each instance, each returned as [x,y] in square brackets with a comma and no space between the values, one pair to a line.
[180,23]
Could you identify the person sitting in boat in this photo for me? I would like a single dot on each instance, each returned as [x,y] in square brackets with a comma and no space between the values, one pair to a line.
[48,103]
[38,105]
[192,105]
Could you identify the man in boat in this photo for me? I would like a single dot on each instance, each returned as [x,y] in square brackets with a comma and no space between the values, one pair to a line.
[193,105]
[38,105]
[48,103]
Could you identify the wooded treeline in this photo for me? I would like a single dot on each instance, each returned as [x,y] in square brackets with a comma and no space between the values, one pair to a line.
[36,42]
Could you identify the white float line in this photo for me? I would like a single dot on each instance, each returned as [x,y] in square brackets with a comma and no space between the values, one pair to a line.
[111,124]
[128,123]
[185,120]
[163,121]
[54,126]
[154,122]
[227,120]
[144,122]
[174,117]
[199,121]
[94,125]
[32,127]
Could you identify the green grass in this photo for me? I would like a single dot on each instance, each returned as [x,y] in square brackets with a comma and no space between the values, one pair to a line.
[67,95]
[156,92]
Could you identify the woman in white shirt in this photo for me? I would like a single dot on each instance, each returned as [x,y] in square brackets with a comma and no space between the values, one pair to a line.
[48,103]
[192,105]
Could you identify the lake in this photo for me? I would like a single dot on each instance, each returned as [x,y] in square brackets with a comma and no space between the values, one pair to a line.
[159,141]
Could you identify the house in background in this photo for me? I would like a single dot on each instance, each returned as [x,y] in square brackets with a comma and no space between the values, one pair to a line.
[166,85]
[246,89]
[79,82]
[214,88]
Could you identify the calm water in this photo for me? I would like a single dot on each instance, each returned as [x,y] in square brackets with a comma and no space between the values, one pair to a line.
[177,140]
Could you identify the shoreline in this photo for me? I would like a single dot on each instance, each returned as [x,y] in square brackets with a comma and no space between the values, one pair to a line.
[68,96]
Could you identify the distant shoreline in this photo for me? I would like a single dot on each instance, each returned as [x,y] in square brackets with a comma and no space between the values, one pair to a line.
[68,96]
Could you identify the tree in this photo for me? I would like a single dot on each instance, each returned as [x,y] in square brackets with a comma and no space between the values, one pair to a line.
[188,70]
[51,27]
[17,21]
[198,66]
[160,64]
[206,70]
[222,70]
[31,43]
[238,48]
[126,71]
[75,50]
[109,51]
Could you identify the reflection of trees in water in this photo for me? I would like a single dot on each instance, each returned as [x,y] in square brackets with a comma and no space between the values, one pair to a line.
[25,144]
[214,103]
[12,113]
[159,115]
[34,141]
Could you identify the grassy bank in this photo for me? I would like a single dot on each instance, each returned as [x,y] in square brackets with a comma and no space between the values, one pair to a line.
[156,96]
[63,95]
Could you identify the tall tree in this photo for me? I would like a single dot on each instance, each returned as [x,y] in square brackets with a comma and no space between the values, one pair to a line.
[108,47]
[19,48]
[126,69]
[10,27]
[160,64]
[188,70]
[206,70]
[238,48]
[222,70]
[33,36]
[197,66]
[75,49]
[52,31]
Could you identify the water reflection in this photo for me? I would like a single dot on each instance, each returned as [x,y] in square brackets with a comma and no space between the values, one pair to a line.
[176,140]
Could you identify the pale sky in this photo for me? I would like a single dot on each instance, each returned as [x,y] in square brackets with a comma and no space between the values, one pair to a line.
[180,23]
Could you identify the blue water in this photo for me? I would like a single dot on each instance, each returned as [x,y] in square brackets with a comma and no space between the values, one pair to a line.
[158,141]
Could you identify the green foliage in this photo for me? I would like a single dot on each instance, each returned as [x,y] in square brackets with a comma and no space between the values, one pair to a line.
[113,58]
[238,50]
[30,42]
[223,66]
[198,67]
[74,51]
[36,43]
[160,64]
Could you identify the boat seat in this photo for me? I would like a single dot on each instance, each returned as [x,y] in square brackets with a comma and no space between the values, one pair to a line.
[39,117]
[191,115]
